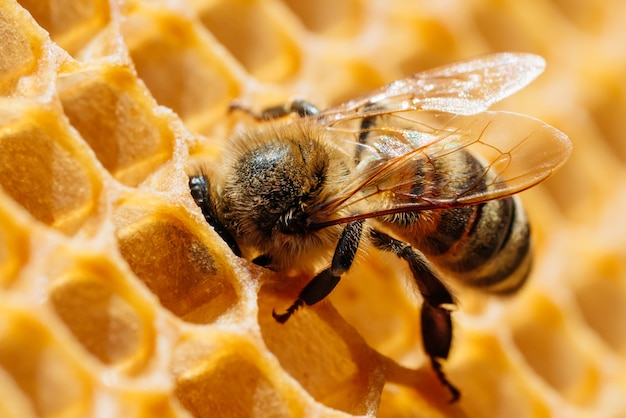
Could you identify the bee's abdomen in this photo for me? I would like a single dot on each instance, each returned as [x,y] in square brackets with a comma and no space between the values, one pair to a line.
[486,245]
[494,251]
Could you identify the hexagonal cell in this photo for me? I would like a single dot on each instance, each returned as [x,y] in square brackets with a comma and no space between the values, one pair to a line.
[105,316]
[601,296]
[333,18]
[175,264]
[44,169]
[343,78]
[114,114]
[225,375]
[323,353]
[436,44]
[55,384]
[256,35]
[552,349]
[15,403]
[181,69]
[20,48]
[504,31]
[491,380]
[607,110]
[143,403]
[14,242]
[71,23]
[587,15]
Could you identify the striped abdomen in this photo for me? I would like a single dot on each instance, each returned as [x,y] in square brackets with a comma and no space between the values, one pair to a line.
[486,246]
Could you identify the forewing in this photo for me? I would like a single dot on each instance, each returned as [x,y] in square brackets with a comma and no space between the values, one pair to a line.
[515,152]
[465,88]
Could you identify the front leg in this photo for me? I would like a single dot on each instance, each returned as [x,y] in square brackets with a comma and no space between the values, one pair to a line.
[199,188]
[325,282]
[435,312]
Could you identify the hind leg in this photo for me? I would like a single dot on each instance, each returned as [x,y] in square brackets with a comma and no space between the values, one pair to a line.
[435,314]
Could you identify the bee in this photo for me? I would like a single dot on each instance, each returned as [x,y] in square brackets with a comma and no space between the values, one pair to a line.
[418,168]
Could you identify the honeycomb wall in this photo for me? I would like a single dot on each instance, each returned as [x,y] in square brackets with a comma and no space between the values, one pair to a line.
[116,298]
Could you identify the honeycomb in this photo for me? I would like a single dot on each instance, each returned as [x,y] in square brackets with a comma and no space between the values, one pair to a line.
[118,300]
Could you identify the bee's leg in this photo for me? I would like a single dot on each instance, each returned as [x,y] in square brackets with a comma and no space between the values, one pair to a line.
[322,284]
[199,186]
[299,106]
[435,314]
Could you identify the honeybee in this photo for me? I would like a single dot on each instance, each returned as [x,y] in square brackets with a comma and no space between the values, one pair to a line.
[418,168]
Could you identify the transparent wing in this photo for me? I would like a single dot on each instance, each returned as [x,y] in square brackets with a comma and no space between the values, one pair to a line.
[464,88]
[408,169]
